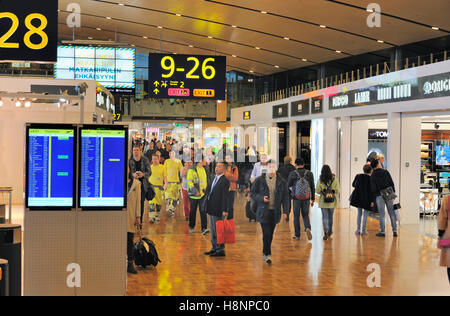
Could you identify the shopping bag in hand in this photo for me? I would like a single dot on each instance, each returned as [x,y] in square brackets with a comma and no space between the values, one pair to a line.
[230,231]
[220,232]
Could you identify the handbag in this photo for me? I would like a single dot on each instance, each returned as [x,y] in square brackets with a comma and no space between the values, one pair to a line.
[230,231]
[220,232]
[444,243]
[388,194]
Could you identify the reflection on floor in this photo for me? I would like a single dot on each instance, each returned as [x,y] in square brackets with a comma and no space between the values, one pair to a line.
[409,264]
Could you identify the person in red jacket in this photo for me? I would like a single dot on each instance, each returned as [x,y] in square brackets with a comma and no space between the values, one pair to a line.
[232,175]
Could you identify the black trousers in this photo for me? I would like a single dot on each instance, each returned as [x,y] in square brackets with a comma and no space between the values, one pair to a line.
[232,198]
[448,273]
[130,245]
[268,229]
[142,202]
[193,213]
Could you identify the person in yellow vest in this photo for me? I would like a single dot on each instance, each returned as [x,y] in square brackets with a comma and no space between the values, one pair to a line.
[158,180]
[173,167]
[197,184]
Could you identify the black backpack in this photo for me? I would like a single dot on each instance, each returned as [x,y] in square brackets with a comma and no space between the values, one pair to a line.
[329,194]
[145,253]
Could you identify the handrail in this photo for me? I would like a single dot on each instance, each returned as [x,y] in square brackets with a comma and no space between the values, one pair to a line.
[350,76]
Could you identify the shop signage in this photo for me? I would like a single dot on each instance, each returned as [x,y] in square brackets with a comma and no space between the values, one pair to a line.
[280,111]
[187,76]
[247,115]
[317,105]
[378,134]
[28,30]
[300,108]
[413,89]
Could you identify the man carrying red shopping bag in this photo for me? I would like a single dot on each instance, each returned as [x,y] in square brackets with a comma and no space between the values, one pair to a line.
[217,206]
[226,232]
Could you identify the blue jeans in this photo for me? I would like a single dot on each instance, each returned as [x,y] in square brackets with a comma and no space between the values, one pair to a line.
[301,206]
[212,221]
[381,203]
[362,214]
[328,219]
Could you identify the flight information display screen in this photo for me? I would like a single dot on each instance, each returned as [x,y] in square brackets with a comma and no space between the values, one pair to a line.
[102,168]
[50,167]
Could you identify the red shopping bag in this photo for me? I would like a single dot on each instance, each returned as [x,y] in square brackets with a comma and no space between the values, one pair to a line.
[220,232]
[230,232]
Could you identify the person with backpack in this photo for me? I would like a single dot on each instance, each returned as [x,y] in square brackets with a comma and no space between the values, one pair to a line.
[328,190]
[301,185]
[384,190]
[270,193]
[362,198]
[197,184]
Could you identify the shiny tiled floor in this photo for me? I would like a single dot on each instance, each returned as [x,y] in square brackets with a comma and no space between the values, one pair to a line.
[409,264]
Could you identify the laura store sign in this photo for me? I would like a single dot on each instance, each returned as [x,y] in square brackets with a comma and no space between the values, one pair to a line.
[413,89]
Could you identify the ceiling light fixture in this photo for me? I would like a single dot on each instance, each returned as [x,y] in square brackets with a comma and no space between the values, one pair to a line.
[1,103]
[234,26]
[258,48]
[18,104]
[233,56]
[338,51]
[99,29]
[178,14]
[264,12]
[323,26]
[287,38]
[160,27]
[380,41]
[27,104]
[108,18]
[277,66]
[191,46]
[304,59]
[435,28]
[210,37]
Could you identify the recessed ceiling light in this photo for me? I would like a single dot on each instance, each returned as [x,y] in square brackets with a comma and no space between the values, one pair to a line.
[304,59]
[121,4]
[99,29]
[435,28]
[233,56]
[18,104]
[27,104]
[160,27]
[251,71]
[133,45]
[287,38]
[1,103]
[91,38]
[210,37]
[277,66]
[234,26]
[109,18]
[380,41]
[323,26]
[264,12]
[338,51]
[178,14]
[370,10]
[257,48]
[191,46]
[145,37]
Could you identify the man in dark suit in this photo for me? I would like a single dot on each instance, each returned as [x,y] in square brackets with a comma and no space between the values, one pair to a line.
[217,206]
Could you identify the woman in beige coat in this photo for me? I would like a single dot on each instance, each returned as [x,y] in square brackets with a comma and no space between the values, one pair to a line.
[444,233]
[133,220]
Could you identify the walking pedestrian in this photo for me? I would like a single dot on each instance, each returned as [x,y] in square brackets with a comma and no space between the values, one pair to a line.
[269,191]
[328,189]
[362,198]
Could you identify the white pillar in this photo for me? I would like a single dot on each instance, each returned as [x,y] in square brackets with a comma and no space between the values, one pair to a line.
[331,143]
[359,146]
[292,139]
[345,166]
[394,145]
[409,186]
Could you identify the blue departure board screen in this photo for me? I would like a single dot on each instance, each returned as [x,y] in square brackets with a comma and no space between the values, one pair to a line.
[50,167]
[102,168]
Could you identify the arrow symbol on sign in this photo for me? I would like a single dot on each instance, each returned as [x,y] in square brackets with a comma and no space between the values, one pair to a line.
[156,91]
[156,83]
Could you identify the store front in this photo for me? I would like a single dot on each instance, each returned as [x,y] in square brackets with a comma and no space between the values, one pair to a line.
[384,114]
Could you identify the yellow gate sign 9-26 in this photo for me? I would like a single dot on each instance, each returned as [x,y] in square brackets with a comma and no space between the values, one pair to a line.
[28,30]
[187,76]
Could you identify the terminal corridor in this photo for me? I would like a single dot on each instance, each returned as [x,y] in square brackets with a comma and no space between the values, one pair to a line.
[409,264]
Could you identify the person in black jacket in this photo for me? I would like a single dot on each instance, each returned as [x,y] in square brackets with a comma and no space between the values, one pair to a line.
[270,193]
[381,179]
[302,206]
[285,170]
[139,168]
[362,198]
[217,206]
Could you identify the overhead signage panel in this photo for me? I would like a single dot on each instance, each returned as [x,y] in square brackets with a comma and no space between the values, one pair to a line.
[280,111]
[317,105]
[187,76]
[113,68]
[300,108]
[247,115]
[413,89]
[28,30]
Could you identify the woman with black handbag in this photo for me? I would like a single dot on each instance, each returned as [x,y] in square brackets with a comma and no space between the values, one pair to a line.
[328,190]
[384,189]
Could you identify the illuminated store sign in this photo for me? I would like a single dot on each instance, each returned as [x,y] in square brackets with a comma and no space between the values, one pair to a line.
[187,76]
[413,89]
[300,108]
[317,105]
[247,115]
[280,111]
[113,68]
